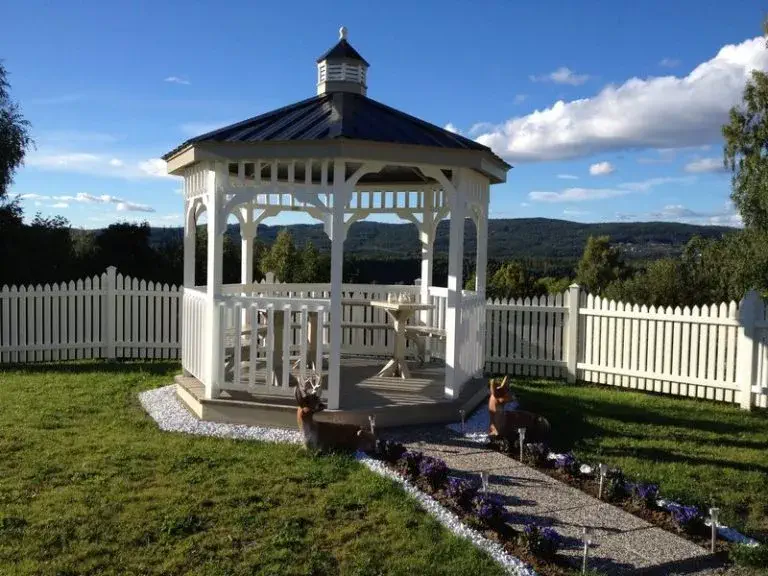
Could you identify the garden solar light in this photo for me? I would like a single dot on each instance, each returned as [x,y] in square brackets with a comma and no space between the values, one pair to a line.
[521,434]
[713,513]
[484,480]
[603,471]
[586,533]
[372,422]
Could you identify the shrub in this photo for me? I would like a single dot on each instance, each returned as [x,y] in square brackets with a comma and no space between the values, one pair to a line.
[753,556]
[644,494]
[536,454]
[389,451]
[615,485]
[434,471]
[688,518]
[542,542]
[461,492]
[408,464]
[488,510]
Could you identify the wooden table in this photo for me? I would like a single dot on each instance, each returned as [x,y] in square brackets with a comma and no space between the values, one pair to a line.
[400,312]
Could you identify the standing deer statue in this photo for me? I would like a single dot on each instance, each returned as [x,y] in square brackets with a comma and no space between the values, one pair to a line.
[321,435]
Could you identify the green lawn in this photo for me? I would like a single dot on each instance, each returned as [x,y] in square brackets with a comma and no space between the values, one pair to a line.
[694,450]
[89,485]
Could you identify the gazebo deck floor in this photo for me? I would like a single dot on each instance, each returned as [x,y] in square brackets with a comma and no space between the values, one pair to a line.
[394,401]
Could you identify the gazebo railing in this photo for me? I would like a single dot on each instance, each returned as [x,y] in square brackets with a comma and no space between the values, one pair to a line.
[471,334]
[193,334]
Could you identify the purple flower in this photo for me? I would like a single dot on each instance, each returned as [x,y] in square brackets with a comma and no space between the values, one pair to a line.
[461,491]
[684,516]
[434,471]
[645,493]
[543,542]
[567,463]
[550,534]
[488,510]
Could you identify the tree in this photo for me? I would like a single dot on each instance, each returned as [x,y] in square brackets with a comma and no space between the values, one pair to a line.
[746,151]
[552,285]
[308,266]
[600,265]
[512,280]
[14,135]
[126,246]
[281,259]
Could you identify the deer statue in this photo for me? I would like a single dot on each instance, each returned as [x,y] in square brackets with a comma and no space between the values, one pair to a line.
[319,435]
[506,420]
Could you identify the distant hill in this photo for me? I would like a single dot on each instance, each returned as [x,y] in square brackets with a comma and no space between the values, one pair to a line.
[517,238]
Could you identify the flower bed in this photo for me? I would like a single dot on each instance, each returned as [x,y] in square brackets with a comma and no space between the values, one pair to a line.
[481,511]
[638,498]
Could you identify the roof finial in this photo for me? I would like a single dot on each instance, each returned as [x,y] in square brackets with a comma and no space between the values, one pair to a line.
[343,33]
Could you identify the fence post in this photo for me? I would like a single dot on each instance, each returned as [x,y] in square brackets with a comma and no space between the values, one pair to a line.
[572,331]
[745,364]
[109,316]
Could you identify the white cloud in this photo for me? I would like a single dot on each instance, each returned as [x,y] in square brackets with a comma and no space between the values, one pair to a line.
[451,128]
[84,198]
[579,194]
[567,177]
[480,127]
[133,207]
[576,194]
[96,164]
[520,98]
[562,75]
[679,213]
[658,112]
[155,167]
[601,169]
[669,62]
[177,80]
[568,212]
[705,165]
[645,185]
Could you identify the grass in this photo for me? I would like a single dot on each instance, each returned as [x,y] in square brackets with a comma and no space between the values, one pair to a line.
[694,450]
[89,485]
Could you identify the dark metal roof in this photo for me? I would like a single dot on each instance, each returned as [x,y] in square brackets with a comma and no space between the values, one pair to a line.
[336,115]
[342,49]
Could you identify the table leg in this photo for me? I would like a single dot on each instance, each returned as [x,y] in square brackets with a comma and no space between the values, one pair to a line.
[397,366]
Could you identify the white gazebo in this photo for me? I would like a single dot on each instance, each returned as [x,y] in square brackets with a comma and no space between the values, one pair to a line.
[339,157]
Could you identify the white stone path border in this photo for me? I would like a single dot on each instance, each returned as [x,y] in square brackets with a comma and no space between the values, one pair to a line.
[166,409]
[476,430]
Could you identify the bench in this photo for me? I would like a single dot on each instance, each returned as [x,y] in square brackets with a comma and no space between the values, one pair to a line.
[421,335]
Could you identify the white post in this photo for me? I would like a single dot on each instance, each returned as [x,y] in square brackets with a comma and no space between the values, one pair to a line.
[453,300]
[108,322]
[747,347]
[247,235]
[572,332]
[215,257]
[337,263]
[481,256]
[427,238]
[190,237]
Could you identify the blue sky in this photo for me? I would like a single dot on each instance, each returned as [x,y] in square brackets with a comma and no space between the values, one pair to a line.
[608,110]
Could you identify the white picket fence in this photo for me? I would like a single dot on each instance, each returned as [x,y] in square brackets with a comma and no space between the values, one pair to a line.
[717,352]
[107,316]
